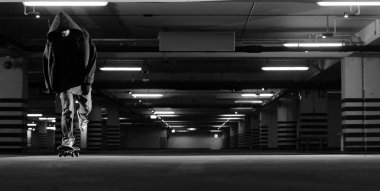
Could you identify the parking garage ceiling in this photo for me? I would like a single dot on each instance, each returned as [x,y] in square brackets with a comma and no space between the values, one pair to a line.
[198,86]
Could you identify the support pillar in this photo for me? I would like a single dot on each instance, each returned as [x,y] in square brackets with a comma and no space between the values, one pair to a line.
[13,96]
[287,123]
[95,128]
[313,120]
[361,102]
[113,128]
[268,127]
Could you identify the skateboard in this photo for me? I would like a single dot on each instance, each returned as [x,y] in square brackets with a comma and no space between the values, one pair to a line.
[66,150]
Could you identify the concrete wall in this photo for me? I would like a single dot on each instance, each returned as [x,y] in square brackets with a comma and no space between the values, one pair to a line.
[146,138]
[192,140]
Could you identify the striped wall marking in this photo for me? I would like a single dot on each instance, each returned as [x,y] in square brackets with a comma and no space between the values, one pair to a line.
[4,130]
[360,112]
[353,122]
[95,135]
[361,105]
[363,139]
[11,113]
[12,123]
[11,139]
[361,123]
[361,108]
[361,130]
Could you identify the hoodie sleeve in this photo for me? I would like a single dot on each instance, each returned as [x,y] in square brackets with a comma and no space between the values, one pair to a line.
[45,67]
[91,67]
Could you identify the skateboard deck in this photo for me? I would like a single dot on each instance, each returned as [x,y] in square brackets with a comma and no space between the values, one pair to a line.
[66,150]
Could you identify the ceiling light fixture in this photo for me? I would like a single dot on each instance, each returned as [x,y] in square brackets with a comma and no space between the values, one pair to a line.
[64,3]
[34,115]
[249,101]
[266,95]
[242,108]
[249,95]
[315,44]
[168,115]
[192,129]
[153,116]
[164,112]
[287,68]
[147,95]
[118,69]
[348,3]
[31,124]
[231,118]
[345,15]
[232,115]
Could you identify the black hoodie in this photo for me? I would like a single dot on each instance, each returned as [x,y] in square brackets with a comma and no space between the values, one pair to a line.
[68,61]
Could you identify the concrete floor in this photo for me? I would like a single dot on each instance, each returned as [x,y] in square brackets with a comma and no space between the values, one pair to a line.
[185,173]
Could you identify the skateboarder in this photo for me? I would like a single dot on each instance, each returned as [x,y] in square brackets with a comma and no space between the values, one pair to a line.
[69,63]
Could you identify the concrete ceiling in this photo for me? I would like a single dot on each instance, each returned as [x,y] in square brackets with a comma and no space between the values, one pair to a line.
[198,86]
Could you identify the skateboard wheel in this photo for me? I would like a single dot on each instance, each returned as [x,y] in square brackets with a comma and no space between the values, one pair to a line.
[59,155]
[77,154]
[72,154]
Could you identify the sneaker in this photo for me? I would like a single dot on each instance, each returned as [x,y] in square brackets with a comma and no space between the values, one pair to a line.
[82,123]
[68,142]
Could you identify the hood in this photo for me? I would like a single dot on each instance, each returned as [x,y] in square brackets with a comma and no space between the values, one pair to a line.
[62,22]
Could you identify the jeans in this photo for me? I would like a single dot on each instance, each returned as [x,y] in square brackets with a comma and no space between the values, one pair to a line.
[68,99]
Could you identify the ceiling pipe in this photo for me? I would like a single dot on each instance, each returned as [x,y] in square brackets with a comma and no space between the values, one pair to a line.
[248,49]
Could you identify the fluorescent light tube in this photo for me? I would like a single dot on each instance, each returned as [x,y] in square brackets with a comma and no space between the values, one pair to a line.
[147,95]
[233,115]
[120,69]
[348,3]
[215,131]
[168,115]
[31,125]
[266,95]
[164,112]
[232,118]
[64,3]
[34,115]
[286,68]
[241,108]
[319,44]
[249,101]
[50,128]
[153,116]
[191,129]
[182,131]
[249,95]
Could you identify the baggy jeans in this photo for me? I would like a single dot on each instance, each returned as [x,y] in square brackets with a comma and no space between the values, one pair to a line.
[68,99]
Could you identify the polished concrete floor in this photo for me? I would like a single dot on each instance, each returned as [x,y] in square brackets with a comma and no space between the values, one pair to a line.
[191,172]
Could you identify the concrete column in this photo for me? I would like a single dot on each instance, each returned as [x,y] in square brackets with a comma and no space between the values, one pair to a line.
[113,127]
[42,135]
[241,127]
[95,128]
[13,96]
[361,103]
[287,123]
[268,127]
[313,120]
[254,131]
[334,119]
[58,115]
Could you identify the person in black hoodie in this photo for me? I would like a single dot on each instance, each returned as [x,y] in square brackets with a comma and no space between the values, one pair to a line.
[69,63]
